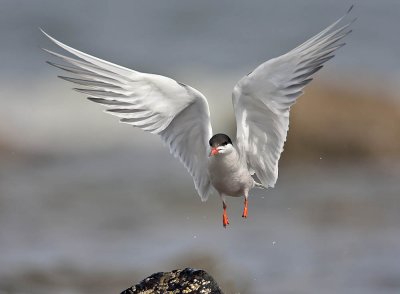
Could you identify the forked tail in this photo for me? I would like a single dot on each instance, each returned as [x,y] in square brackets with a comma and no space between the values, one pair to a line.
[260,186]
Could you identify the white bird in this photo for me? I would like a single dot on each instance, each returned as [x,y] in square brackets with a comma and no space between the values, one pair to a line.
[180,115]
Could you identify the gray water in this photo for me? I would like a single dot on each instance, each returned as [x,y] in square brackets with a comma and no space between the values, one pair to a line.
[102,221]
[219,36]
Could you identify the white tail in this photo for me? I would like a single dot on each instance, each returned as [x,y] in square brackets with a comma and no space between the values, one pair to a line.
[260,186]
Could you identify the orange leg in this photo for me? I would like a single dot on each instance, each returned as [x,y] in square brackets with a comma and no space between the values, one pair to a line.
[225,220]
[245,208]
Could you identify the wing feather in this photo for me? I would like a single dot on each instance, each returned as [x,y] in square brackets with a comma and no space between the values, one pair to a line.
[263,98]
[178,113]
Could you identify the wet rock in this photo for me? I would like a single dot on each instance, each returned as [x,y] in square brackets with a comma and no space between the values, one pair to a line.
[187,280]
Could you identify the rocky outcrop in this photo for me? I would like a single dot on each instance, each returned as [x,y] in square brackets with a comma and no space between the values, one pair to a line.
[187,280]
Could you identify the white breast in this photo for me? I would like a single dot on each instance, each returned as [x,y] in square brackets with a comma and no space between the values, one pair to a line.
[229,175]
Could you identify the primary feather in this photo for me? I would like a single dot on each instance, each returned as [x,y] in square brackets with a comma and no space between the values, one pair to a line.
[263,98]
[179,114]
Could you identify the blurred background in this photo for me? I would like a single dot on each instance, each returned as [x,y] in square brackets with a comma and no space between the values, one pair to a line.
[88,205]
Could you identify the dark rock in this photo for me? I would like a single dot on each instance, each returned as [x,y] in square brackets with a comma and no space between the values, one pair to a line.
[187,280]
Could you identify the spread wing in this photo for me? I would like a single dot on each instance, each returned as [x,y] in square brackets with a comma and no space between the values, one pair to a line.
[179,114]
[263,98]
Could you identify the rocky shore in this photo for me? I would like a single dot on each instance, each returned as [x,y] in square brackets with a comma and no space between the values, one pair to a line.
[187,280]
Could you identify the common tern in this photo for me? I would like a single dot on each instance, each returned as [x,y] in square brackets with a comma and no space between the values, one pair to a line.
[180,115]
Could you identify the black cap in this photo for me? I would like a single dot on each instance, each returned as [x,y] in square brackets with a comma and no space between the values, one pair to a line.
[219,140]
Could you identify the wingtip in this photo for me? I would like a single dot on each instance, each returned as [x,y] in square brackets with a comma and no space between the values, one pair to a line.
[46,50]
[50,37]
[50,52]
[64,78]
[52,63]
[44,33]
[350,9]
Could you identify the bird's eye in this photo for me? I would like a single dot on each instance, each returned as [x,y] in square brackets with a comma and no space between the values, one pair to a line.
[225,143]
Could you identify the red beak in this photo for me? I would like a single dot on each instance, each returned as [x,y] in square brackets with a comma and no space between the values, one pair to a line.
[213,151]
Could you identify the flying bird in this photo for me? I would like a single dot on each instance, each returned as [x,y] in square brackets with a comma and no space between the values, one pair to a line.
[180,115]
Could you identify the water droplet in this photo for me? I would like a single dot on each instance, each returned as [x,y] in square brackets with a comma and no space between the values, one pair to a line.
[273,243]
[194,237]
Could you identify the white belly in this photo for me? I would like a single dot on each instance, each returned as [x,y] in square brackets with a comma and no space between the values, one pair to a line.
[228,176]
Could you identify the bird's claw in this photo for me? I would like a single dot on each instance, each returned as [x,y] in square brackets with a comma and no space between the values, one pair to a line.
[244,212]
[245,209]
[225,220]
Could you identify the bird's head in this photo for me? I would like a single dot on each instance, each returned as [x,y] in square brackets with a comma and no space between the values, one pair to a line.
[220,144]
